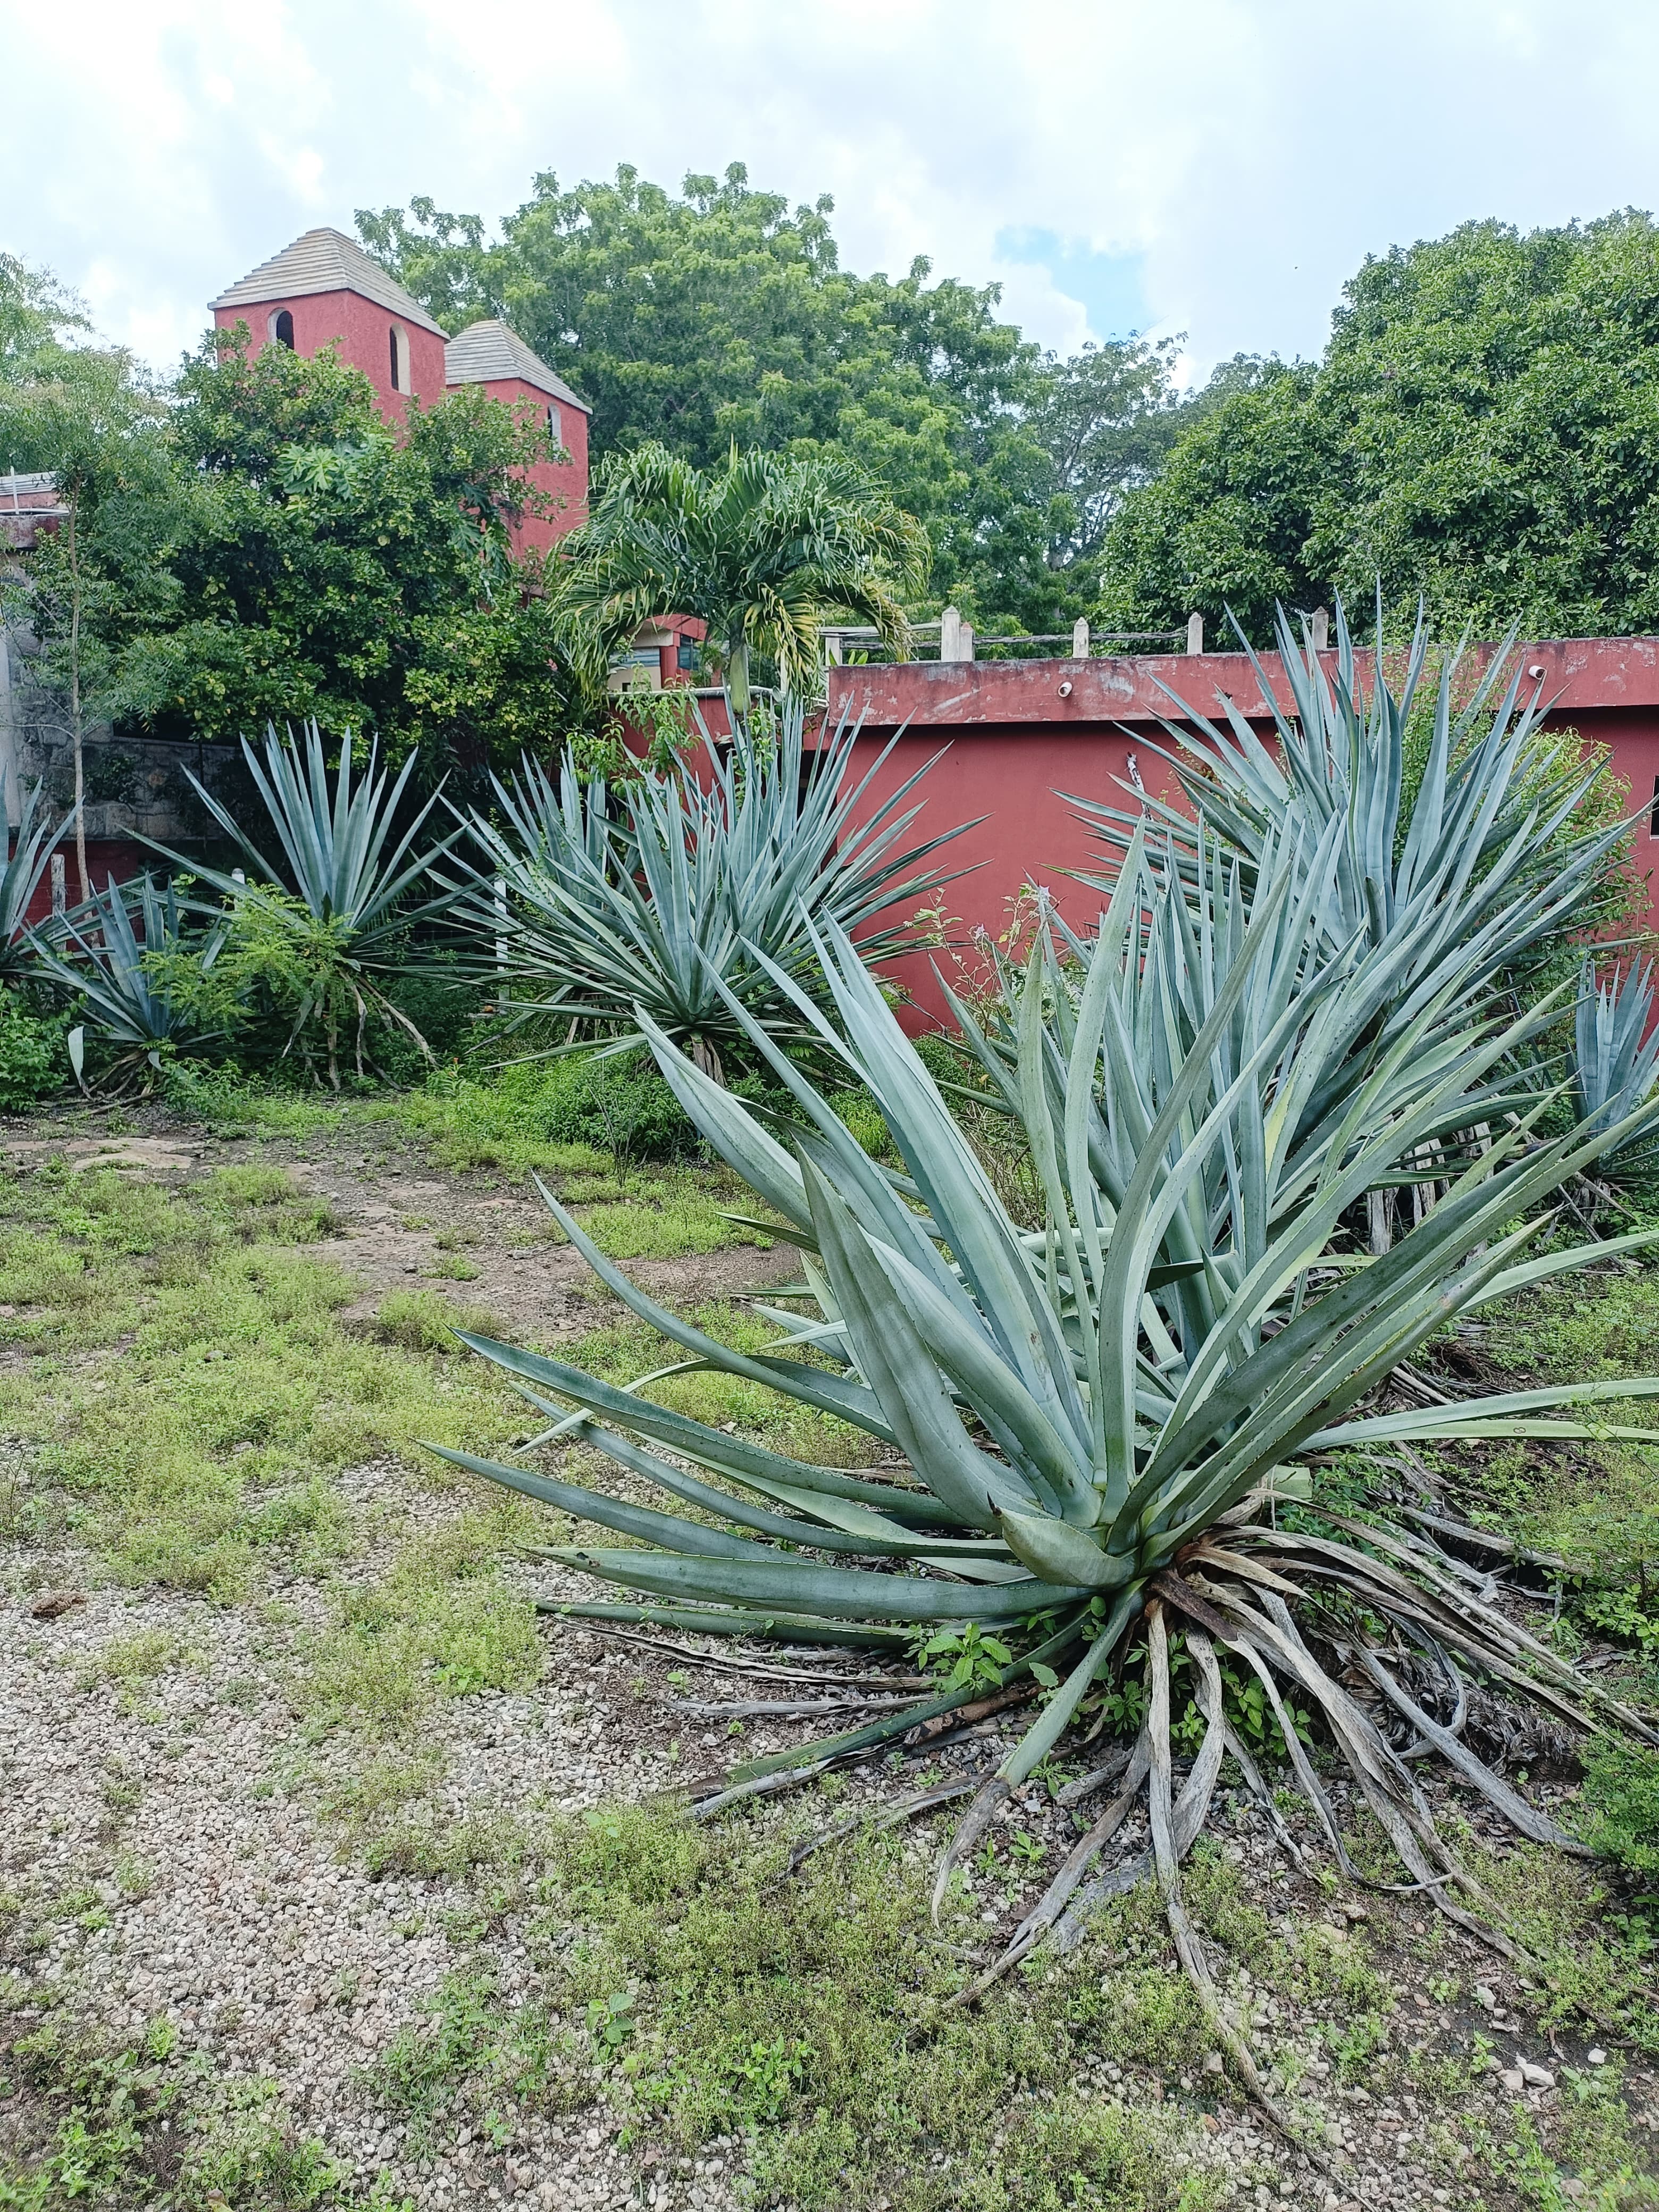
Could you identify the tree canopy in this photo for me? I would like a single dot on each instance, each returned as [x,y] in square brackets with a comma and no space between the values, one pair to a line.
[761,548]
[723,314]
[266,549]
[1483,429]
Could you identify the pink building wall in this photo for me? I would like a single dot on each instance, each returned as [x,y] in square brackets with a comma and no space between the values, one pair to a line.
[1022,734]
[565,481]
[362,330]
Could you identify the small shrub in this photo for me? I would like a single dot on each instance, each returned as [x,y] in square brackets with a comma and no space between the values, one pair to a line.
[1621,1802]
[420,1321]
[34,1061]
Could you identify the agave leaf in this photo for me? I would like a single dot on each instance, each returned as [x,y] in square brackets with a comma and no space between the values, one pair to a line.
[836,1593]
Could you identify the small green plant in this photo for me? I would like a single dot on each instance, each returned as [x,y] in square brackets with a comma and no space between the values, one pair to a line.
[1621,1808]
[34,1061]
[964,1656]
[610,2022]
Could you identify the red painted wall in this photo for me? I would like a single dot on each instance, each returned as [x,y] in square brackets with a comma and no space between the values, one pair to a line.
[565,480]
[1020,734]
[362,332]
[122,858]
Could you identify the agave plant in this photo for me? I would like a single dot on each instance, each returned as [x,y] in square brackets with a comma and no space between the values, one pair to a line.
[27,849]
[689,895]
[118,975]
[1081,1432]
[334,919]
[1616,1046]
[1465,877]
[1482,852]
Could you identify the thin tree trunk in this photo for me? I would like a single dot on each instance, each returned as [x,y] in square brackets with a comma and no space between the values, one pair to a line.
[737,676]
[73,505]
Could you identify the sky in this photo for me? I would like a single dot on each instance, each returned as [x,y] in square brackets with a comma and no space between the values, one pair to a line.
[1214,168]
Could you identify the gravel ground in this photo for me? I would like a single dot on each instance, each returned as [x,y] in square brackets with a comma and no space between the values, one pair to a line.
[229,1908]
[255,1936]
[169,1839]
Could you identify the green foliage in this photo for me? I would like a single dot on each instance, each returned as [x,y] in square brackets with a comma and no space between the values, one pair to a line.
[560,1113]
[721,315]
[33,1061]
[24,855]
[762,549]
[814,2033]
[139,992]
[964,1656]
[264,549]
[1481,430]
[208,1448]
[1597,1957]
[442,1624]
[320,954]
[1592,1505]
[1621,1800]
[692,898]
[125,2125]
[1615,1064]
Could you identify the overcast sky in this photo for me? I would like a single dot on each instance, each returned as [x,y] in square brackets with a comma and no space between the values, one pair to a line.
[1215,167]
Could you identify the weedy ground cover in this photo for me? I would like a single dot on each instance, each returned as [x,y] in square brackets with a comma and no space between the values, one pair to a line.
[180,1379]
[792,2031]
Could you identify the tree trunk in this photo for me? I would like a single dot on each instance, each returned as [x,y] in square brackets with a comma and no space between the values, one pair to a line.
[74,550]
[704,1055]
[737,676]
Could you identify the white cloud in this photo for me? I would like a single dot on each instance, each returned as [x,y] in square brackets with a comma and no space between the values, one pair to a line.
[1250,151]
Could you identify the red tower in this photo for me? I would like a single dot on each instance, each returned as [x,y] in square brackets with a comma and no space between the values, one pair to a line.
[324,290]
[491,355]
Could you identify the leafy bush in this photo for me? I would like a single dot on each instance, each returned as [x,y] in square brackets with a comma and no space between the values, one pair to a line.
[33,1060]
[1621,1799]
[612,1102]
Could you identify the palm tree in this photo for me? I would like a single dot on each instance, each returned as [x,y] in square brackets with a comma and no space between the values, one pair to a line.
[760,550]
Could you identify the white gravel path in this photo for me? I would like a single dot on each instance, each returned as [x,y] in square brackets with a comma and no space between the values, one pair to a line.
[270,1953]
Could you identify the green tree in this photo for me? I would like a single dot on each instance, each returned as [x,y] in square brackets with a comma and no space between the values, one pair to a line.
[723,314]
[1483,430]
[761,548]
[38,318]
[300,562]
[83,413]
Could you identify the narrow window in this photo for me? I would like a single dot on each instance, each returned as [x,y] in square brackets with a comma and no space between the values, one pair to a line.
[397,382]
[282,329]
[1653,819]
[554,427]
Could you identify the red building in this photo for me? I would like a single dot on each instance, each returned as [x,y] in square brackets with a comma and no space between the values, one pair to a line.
[325,291]
[1022,735]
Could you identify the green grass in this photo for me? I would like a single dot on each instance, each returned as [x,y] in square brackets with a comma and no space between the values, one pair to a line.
[210,1443]
[1594,1504]
[124,2125]
[442,1624]
[806,2023]
[624,1351]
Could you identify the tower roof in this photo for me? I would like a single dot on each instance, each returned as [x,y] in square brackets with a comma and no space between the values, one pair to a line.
[325,260]
[488,353]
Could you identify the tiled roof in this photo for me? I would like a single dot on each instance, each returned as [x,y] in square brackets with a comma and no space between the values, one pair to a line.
[489,352]
[326,261]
